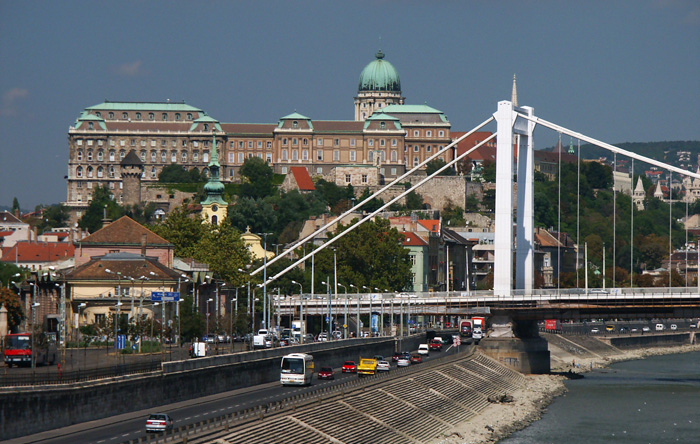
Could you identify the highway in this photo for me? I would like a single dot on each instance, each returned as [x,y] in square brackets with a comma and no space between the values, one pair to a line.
[131,426]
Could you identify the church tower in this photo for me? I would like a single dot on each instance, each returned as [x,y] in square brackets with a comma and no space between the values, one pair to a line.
[214,207]
[379,87]
[639,195]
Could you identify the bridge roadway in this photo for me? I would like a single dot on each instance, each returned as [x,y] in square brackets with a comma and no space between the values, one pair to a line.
[540,304]
[131,426]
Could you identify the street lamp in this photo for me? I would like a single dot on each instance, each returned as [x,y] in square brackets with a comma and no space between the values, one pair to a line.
[231,314]
[357,324]
[208,301]
[330,313]
[345,321]
[153,315]
[80,306]
[119,299]
[34,306]
[301,310]
[369,319]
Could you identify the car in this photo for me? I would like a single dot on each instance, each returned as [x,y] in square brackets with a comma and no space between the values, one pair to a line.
[646,328]
[337,335]
[423,349]
[403,361]
[595,330]
[349,367]
[378,357]
[322,337]
[693,325]
[674,327]
[609,327]
[624,329]
[326,373]
[396,356]
[634,330]
[416,359]
[383,366]
[660,327]
[159,422]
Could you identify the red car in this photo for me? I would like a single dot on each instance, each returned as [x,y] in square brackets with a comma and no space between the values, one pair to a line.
[396,356]
[349,367]
[416,359]
[325,373]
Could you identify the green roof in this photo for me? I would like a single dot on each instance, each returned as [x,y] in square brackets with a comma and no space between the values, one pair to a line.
[85,117]
[412,109]
[379,75]
[294,116]
[144,106]
[382,116]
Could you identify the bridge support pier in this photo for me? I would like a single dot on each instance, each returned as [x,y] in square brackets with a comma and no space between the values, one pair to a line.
[518,345]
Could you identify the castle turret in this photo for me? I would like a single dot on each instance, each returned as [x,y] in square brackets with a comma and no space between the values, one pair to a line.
[214,207]
[131,172]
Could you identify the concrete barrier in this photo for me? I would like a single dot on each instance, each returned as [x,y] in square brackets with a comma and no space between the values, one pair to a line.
[649,340]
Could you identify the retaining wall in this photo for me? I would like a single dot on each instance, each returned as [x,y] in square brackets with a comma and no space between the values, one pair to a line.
[651,340]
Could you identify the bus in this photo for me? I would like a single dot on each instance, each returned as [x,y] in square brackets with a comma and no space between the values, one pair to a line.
[297,369]
[19,349]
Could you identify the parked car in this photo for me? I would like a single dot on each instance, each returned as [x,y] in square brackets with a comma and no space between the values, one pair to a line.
[416,359]
[383,366]
[403,361]
[159,422]
[325,373]
[423,349]
[674,327]
[349,367]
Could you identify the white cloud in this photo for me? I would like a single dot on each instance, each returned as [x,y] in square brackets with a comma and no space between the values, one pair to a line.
[10,99]
[130,69]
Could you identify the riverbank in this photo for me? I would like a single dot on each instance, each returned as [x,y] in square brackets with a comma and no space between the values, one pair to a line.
[499,420]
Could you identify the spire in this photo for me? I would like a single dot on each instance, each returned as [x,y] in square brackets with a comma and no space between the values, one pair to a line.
[571,146]
[640,187]
[214,155]
[214,188]
[514,95]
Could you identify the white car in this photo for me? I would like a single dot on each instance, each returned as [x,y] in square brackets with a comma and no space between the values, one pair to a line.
[159,422]
[383,366]
[423,349]
[403,362]
[674,327]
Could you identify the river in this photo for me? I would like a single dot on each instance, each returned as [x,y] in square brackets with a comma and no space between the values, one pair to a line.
[652,400]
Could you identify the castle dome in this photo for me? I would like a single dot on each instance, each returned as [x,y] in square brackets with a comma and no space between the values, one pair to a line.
[379,75]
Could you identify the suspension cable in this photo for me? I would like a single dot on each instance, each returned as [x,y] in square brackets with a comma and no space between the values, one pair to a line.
[394,182]
[632,232]
[614,215]
[670,221]
[559,220]
[578,210]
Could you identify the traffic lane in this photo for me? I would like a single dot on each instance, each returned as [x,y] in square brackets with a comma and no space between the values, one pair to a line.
[187,412]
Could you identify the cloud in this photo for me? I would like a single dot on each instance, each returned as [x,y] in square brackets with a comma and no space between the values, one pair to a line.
[10,99]
[130,69]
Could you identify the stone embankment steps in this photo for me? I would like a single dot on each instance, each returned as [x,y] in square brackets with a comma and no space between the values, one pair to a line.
[584,346]
[415,408]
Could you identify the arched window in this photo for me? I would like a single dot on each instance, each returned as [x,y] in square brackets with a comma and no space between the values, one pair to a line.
[184,156]
[111,171]
[122,154]
[79,171]
[284,154]
[214,220]
[79,154]
[165,116]
[100,155]
[138,116]
[100,172]
[153,172]
[89,172]
[111,155]
[394,156]
[125,116]
[295,124]
[163,156]
[143,155]
[173,156]
[177,116]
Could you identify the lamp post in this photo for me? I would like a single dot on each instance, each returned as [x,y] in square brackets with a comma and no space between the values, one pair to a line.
[208,301]
[357,324]
[81,306]
[264,284]
[34,306]
[177,307]
[369,319]
[345,320]
[330,314]
[62,319]
[301,310]
[142,279]
[119,302]
[231,314]
[153,315]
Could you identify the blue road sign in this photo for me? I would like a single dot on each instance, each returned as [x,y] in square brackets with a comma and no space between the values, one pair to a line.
[167,296]
[120,343]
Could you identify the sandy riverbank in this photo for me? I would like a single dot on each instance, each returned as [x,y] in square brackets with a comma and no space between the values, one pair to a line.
[499,420]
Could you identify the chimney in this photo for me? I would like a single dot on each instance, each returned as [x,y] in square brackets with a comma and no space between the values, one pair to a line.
[143,245]
[36,238]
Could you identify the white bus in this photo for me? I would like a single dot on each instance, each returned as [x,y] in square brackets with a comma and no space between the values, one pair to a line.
[297,369]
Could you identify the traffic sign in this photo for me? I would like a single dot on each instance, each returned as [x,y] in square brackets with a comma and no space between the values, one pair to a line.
[457,340]
[167,296]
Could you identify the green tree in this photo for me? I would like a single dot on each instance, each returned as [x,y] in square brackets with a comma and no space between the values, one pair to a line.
[257,176]
[15,314]
[15,206]
[256,214]
[489,172]
[373,204]
[435,165]
[453,215]
[223,249]
[414,201]
[101,203]
[177,174]
[183,229]
[191,322]
[471,204]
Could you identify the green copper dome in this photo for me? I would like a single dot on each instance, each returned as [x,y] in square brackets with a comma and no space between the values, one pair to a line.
[379,75]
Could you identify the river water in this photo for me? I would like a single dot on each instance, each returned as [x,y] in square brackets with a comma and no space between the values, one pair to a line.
[652,400]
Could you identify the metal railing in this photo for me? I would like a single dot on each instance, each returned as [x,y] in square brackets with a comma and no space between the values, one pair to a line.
[39,378]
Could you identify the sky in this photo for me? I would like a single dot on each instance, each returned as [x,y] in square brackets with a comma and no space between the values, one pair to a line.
[622,71]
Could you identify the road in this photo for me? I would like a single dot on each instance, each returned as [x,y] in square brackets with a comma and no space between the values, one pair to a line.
[132,425]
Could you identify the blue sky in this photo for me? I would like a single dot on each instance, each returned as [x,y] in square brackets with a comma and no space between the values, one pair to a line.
[622,71]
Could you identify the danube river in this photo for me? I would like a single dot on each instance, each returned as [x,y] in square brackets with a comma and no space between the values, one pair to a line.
[652,400]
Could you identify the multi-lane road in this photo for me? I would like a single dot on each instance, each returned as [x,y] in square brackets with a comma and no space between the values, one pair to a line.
[131,426]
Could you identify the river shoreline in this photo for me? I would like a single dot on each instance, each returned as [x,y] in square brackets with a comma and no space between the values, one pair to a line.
[529,403]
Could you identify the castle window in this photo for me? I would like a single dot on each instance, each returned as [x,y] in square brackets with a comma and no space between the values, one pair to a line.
[111,115]
[98,114]
[347,178]
[336,155]
[79,171]
[122,154]
[111,171]
[394,156]
[336,142]
[304,154]
[89,171]
[133,142]
[89,155]
[269,144]
[143,143]
[284,170]
[90,125]
[125,116]
[295,124]
[294,141]
[111,155]
[206,127]
[370,156]
[295,155]
[415,133]
[370,142]
[284,155]
[284,141]
[259,143]
[122,142]
[153,172]
[138,116]
[100,155]
[230,173]
[205,156]
[352,155]
[100,172]
[415,148]
[319,170]
[241,157]
[79,142]
[163,156]
[382,125]
[250,144]
[189,116]
[153,156]
[415,161]
[165,116]
[305,141]
[195,156]
[177,116]
[173,156]
[143,155]
[352,142]
[319,142]
[151,116]
[382,142]
[393,142]
[231,157]
[428,133]
[79,154]
[427,149]
[184,156]
[268,157]
[441,133]
[364,178]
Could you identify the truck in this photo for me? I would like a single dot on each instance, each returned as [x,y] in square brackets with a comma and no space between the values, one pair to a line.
[198,349]
[21,347]
[465,328]
[552,325]
[478,327]
[367,367]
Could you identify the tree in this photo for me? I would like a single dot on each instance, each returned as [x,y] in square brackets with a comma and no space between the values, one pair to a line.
[177,174]
[101,202]
[223,249]
[191,322]
[257,176]
[183,230]
[435,165]
[414,201]
[15,205]
[489,172]
[10,300]
[373,204]
[453,215]
[471,204]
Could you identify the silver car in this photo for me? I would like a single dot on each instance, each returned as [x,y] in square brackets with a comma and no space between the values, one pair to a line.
[383,366]
[159,422]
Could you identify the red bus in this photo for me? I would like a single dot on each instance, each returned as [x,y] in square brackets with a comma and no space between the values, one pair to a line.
[18,349]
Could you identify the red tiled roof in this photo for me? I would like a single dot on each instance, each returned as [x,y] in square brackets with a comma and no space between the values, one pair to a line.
[301,176]
[431,224]
[470,142]
[6,216]
[38,252]
[413,240]
[124,231]
[5,233]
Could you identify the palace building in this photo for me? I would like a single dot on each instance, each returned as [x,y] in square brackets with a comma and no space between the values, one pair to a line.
[125,145]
